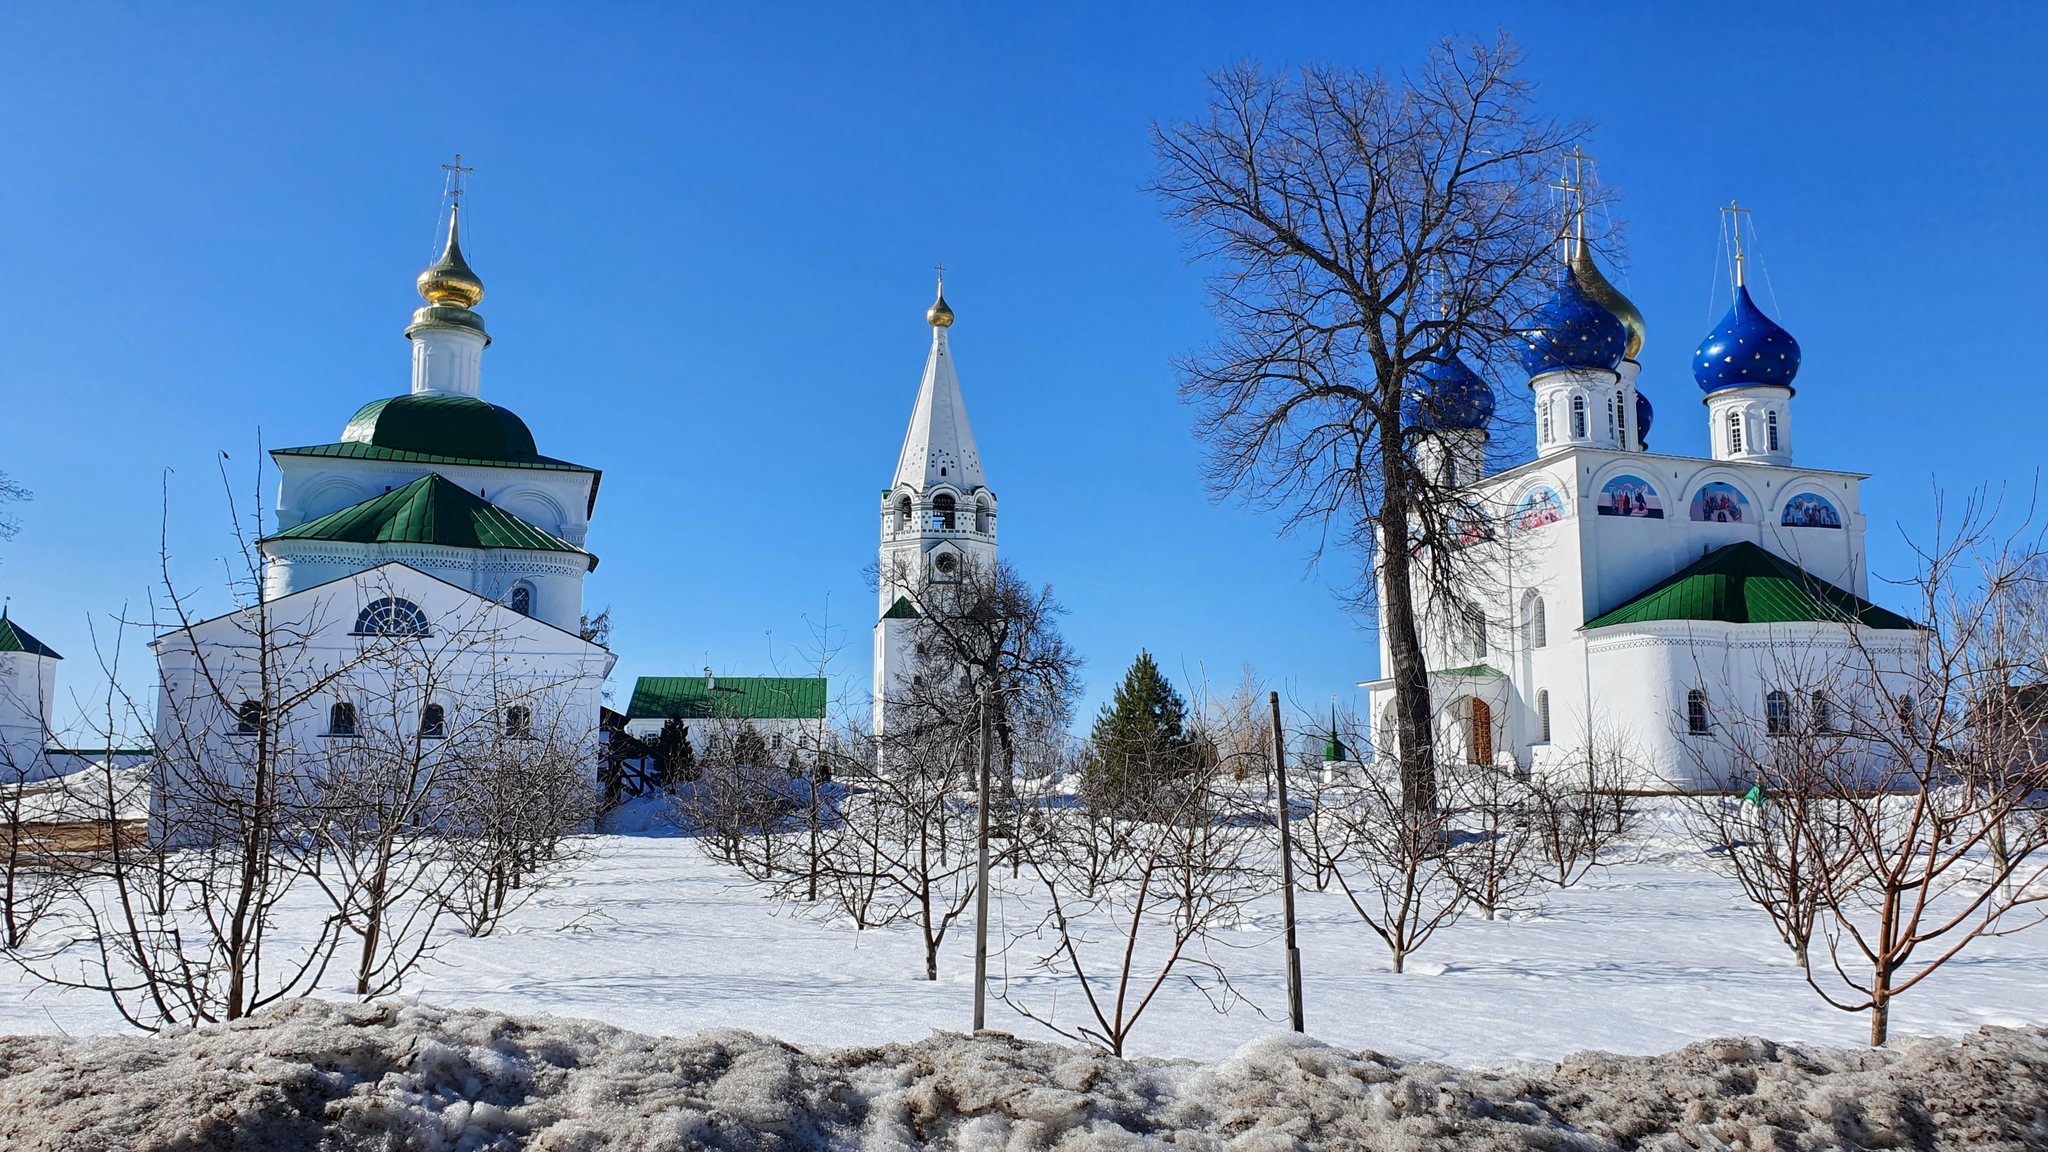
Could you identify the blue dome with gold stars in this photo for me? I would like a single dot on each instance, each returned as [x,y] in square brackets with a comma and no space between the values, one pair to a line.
[1453,398]
[1644,413]
[1747,350]
[1572,331]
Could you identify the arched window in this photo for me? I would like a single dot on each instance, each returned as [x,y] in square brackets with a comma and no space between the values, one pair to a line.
[521,599]
[341,719]
[1549,411]
[1387,741]
[1610,417]
[248,717]
[391,616]
[1578,417]
[942,506]
[984,520]
[1543,715]
[1907,721]
[518,722]
[1536,628]
[1734,433]
[433,722]
[1696,712]
[1771,429]
[1621,417]
[1479,637]
[1777,713]
[903,512]
[1823,713]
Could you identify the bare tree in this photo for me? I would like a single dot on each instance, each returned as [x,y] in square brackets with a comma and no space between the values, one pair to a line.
[11,493]
[1582,808]
[1399,865]
[1360,227]
[1909,774]
[1497,820]
[523,786]
[1127,914]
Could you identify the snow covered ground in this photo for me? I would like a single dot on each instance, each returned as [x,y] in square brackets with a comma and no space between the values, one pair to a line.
[1644,957]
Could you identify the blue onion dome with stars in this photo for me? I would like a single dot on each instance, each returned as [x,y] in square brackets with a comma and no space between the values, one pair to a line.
[1452,398]
[1747,350]
[1644,414]
[1572,330]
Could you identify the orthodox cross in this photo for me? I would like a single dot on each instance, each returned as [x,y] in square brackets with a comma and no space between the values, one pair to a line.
[1735,212]
[1567,188]
[455,173]
[941,270]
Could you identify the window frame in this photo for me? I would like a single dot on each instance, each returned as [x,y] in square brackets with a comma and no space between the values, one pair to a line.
[342,720]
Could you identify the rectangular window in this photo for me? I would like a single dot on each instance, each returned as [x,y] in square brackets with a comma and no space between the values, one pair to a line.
[1578,417]
[1696,712]
[1771,430]
[1735,433]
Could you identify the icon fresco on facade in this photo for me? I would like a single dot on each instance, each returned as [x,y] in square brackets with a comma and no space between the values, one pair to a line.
[1630,496]
[1720,503]
[1810,510]
[1539,507]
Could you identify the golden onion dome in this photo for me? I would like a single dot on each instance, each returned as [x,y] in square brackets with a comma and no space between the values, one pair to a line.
[1609,297]
[939,315]
[449,282]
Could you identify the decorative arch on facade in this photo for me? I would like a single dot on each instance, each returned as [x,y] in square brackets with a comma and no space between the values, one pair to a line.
[1535,624]
[1628,494]
[1720,502]
[535,506]
[333,493]
[1538,506]
[1809,506]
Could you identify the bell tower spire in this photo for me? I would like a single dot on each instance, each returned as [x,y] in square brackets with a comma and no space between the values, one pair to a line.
[938,513]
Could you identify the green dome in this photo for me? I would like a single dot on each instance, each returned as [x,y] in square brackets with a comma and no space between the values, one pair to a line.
[462,426]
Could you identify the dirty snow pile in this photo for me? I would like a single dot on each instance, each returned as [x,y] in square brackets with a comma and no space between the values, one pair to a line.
[315,1074]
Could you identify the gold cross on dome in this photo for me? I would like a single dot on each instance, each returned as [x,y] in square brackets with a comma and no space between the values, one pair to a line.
[455,173]
[1735,212]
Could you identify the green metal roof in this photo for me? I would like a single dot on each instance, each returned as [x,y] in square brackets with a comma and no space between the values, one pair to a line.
[1745,584]
[902,609]
[1473,672]
[728,698]
[15,638]
[443,425]
[351,450]
[431,510]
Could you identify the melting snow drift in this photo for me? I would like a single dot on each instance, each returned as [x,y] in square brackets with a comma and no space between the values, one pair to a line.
[317,1074]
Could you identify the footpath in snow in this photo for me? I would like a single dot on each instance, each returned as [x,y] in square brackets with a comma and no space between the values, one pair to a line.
[317,1074]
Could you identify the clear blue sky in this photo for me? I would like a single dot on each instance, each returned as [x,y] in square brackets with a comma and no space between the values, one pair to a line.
[708,234]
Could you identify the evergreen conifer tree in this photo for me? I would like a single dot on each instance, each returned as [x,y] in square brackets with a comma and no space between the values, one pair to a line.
[1140,746]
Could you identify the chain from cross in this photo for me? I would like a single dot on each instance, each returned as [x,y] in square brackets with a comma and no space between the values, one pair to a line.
[455,173]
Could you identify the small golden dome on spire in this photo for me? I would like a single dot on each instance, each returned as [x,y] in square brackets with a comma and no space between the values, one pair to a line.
[939,315]
[450,283]
[1609,297]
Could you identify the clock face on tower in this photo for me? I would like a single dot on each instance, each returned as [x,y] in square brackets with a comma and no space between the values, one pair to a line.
[946,564]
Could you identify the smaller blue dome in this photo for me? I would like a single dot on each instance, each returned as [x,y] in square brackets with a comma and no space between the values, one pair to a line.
[1644,414]
[1747,350]
[1453,398]
[1572,331]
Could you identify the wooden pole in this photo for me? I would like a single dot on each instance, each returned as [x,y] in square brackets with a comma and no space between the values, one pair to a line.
[1294,1014]
[981,874]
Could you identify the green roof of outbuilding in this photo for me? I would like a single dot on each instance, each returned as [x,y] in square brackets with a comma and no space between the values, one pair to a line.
[902,609]
[728,698]
[1745,584]
[15,638]
[431,510]
[461,426]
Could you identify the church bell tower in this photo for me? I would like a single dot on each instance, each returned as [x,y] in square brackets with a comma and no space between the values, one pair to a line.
[938,516]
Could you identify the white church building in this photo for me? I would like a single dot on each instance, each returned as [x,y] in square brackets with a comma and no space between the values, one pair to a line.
[425,572]
[1632,598]
[938,514]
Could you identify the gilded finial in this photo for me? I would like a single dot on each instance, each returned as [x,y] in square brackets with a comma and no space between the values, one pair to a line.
[449,282]
[1735,212]
[939,315]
